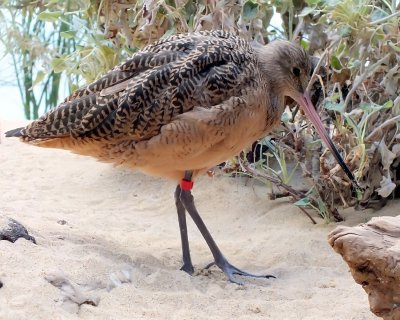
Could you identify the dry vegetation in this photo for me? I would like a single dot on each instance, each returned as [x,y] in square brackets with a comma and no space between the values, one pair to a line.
[356,87]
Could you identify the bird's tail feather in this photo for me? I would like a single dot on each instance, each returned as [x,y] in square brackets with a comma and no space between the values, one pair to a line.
[14,132]
[82,146]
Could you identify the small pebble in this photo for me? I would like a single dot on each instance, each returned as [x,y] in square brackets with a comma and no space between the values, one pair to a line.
[62,222]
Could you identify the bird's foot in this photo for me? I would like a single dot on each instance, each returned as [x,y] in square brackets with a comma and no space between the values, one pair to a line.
[230,271]
[188,268]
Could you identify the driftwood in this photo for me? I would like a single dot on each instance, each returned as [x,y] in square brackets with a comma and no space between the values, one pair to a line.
[372,252]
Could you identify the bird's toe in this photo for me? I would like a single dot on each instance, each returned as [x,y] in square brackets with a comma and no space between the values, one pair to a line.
[188,268]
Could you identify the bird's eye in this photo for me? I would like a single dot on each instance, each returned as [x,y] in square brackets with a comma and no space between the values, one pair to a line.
[296,71]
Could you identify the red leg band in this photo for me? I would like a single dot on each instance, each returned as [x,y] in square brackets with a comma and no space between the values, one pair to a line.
[186,185]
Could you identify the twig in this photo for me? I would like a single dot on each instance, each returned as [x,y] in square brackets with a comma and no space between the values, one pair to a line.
[385,18]
[381,127]
[298,29]
[308,215]
[297,195]
[283,194]
[319,64]
[362,77]
[294,193]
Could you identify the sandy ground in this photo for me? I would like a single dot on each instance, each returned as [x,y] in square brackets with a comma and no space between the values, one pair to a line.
[120,247]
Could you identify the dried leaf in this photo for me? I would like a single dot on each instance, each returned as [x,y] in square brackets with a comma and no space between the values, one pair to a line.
[387,155]
[391,81]
[387,187]
[396,149]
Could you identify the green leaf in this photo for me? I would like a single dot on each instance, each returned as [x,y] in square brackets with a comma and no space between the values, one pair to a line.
[354,64]
[312,3]
[388,104]
[268,14]
[305,44]
[333,106]
[359,194]
[393,46]
[303,202]
[79,23]
[335,63]
[250,10]
[377,15]
[49,16]
[74,87]
[39,77]
[340,49]
[285,118]
[306,11]
[170,32]
[84,5]
[68,34]
[332,3]
[106,50]
[58,65]
[344,31]
[369,106]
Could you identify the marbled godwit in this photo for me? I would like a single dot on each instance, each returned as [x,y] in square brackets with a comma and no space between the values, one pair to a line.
[179,107]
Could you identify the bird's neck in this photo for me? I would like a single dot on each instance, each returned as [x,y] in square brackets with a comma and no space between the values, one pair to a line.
[277,103]
[274,110]
[271,83]
[271,71]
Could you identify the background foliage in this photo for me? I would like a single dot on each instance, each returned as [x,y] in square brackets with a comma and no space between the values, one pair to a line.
[56,44]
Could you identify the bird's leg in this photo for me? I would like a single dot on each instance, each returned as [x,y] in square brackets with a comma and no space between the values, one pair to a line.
[187,261]
[219,259]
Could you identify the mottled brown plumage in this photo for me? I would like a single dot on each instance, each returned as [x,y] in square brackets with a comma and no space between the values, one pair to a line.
[184,103]
[179,107]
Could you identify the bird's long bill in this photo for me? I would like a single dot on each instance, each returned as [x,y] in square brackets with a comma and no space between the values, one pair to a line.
[307,106]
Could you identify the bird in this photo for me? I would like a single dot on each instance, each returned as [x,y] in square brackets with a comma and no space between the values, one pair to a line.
[180,106]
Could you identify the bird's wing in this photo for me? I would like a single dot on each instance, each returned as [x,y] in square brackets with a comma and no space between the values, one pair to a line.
[152,88]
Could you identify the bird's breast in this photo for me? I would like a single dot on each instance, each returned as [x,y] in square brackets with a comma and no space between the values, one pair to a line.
[197,140]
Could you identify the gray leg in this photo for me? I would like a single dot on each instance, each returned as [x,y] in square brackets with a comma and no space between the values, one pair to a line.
[219,260]
[187,262]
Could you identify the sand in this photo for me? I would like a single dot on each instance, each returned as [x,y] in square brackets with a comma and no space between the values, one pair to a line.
[108,247]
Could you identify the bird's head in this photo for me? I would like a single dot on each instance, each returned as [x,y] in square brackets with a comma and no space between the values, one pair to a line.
[287,66]
[288,69]
[291,67]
